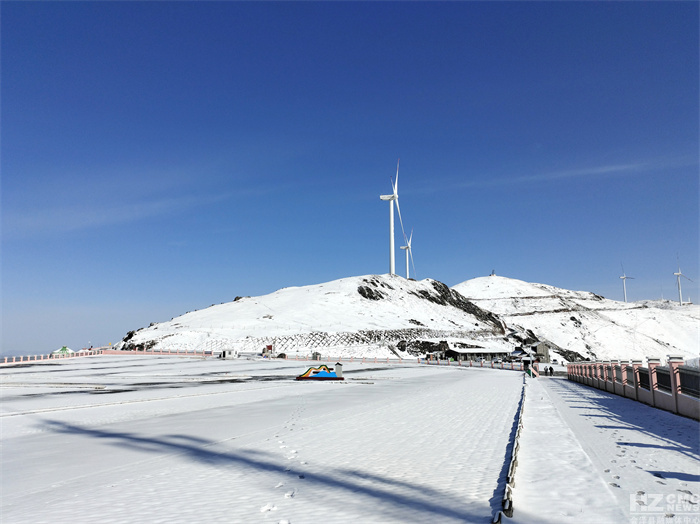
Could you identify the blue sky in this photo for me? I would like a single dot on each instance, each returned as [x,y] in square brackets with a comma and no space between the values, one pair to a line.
[161,157]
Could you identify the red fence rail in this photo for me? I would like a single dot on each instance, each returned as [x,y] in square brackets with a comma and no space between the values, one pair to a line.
[632,380]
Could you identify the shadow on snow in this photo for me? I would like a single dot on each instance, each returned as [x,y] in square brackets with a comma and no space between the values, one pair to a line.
[430,502]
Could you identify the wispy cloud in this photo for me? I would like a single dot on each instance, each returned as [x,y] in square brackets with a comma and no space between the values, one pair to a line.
[75,216]
[600,171]
[615,169]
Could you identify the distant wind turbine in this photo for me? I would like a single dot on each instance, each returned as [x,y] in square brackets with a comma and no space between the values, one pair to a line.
[678,276]
[391,198]
[624,284]
[407,248]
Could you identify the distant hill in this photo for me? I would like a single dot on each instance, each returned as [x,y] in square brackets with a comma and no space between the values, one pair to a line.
[587,323]
[384,315]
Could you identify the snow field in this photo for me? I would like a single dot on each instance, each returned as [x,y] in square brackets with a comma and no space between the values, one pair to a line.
[390,444]
[590,456]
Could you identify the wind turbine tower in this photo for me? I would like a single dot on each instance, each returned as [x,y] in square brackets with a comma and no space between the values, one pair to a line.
[624,283]
[678,277]
[391,198]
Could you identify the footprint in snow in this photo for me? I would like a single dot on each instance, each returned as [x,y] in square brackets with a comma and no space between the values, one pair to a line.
[279,485]
[614,485]
[284,521]
[290,494]
[268,507]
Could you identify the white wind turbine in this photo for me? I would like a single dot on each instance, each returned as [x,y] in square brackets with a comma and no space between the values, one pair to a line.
[624,284]
[678,276]
[391,198]
[407,248]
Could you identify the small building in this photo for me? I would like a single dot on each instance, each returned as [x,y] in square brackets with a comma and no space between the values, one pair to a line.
[541,351]
[476,349]
[228,354]
[64,350]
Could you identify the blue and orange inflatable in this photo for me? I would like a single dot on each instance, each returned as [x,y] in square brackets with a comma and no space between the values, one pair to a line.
[322,372]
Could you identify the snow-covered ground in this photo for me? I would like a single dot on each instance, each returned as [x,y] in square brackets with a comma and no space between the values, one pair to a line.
[171,440]
[168,439]
[589,456]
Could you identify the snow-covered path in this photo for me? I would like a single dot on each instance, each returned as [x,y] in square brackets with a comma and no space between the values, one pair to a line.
[164,440]
[590,456]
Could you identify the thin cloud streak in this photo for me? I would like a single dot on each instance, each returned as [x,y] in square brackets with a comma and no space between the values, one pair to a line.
[589,172]
[74,217]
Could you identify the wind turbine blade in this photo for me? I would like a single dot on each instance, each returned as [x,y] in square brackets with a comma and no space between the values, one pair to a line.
[410,253]
[396,184]
[400,220]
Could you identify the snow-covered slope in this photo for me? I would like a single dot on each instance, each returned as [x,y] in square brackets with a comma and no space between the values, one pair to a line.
[589,324]
[374,311]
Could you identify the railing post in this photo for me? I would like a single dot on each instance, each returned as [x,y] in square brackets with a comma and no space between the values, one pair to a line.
[606,366]
[653,383]
[674,361]
[613,371]
[636,364]
[623,373]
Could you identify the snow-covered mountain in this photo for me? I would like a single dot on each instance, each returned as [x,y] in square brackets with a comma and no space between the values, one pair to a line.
[368,315]
[384,315]
[589,324]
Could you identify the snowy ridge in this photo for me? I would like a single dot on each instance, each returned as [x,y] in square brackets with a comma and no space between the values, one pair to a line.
[360,315]
[589,324]
[389,316]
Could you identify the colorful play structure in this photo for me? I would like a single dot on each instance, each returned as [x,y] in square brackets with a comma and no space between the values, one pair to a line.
[323,372]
